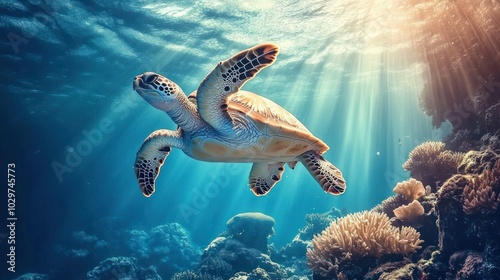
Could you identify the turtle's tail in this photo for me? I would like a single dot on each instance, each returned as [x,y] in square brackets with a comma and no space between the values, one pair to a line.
[326,174]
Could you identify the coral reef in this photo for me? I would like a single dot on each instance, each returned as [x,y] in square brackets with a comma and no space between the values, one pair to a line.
[468,225]
[192,275]
[395,270]
[364,234]
[256,274]
[317,222]
[430,163]
[409,213]
[217,267]
[491,117]
[464,245]
[413,206]
[462,140]
[241,252]
[293,255]
[252,229]
[449,210]
[240,257]
[121,268]
[475,162]
[172,249]
[168,247]
[466,265]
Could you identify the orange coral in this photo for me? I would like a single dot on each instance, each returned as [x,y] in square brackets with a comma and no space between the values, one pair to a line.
[358,235]
[411,189]
[409,213]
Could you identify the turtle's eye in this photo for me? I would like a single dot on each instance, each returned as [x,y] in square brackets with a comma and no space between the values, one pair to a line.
[149,77]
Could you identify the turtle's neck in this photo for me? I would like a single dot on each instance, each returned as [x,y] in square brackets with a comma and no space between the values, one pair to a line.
[185,114]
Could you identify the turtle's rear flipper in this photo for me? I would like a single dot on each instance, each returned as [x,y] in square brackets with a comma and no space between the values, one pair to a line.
[326,174]
[151,157]
[264,176]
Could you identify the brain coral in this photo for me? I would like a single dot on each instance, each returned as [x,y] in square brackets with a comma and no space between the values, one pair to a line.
[358,235]
[430,163]
[252,229]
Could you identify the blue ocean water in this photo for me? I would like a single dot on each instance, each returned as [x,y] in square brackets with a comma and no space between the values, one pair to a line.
[351,71]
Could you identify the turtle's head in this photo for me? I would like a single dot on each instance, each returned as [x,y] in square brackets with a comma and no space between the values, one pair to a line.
[157,90]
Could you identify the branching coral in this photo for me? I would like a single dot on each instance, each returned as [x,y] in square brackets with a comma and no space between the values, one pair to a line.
[411,189]
[430,163]
[359,235]
[409,213]
[479,196]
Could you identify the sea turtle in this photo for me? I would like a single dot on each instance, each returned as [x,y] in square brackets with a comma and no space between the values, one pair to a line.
[221,123]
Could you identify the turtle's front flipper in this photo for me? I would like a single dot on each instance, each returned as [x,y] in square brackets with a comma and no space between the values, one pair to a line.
[326,174]
[264,176]
[151,157]
[227,78]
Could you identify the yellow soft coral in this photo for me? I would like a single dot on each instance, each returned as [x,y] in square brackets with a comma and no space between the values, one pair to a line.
[479,196]
[358,235]
[411,189]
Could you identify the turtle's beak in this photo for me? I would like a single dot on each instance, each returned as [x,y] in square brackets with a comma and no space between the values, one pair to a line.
[138,83]
[144,81]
